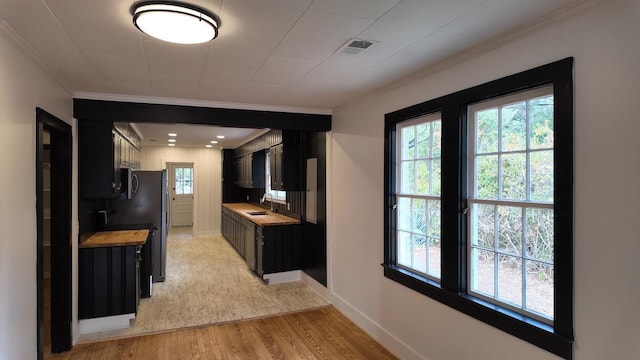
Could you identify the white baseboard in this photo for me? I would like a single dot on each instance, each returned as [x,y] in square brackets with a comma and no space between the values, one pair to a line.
[282,277]
[88,326]
[396,346]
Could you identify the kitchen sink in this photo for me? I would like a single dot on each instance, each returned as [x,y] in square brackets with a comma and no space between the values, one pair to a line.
[257,212]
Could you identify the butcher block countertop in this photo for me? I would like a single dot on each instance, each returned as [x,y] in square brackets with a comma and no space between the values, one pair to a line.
[114,238]
[268,219]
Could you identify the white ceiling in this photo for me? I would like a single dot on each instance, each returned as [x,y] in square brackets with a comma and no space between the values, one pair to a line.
[196,135]
[275,53]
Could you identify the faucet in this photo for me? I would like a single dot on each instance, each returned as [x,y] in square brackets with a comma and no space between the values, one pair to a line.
[105,213]
[264,198]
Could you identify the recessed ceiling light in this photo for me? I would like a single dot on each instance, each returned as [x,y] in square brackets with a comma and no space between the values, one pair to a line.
[171,144]
[175,22]
[208,146]
[172,140]
[220,136]
[172,134]
[213,142]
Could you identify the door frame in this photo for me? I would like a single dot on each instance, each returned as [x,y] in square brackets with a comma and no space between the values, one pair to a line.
[171,166]
[61,206]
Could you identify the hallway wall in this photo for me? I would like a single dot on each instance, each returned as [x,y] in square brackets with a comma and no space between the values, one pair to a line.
[23,87]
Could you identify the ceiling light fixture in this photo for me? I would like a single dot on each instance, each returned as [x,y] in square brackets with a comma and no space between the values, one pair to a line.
[175,22]
[213,142]
[172,140]
[220,136]
[172,134]
[172,144]
[208,146]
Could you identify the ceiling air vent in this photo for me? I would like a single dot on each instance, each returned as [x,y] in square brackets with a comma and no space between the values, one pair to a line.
[354,47]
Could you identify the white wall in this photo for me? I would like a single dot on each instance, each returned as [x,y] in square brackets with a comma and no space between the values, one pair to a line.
[605,45]
[23,87]
[207,167]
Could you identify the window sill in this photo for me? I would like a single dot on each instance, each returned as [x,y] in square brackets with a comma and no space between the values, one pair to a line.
[530,330]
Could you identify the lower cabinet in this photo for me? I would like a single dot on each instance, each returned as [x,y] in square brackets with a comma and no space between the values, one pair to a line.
[107,281]
[239,233]
[266,249]
[278,248]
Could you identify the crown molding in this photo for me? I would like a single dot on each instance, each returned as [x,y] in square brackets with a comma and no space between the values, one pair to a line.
[7,32]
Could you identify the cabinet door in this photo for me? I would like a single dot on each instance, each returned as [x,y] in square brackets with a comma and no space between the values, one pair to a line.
[275,167]
[117,158]
[95,160]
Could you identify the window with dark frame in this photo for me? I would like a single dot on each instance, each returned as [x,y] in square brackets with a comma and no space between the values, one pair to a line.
[479,196]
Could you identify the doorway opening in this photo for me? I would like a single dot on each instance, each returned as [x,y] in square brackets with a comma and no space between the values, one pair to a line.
[53,208]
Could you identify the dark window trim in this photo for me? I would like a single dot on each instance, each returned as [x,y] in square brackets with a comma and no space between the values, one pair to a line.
[451,291]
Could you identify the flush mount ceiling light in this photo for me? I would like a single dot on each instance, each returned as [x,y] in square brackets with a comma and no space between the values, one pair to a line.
[175,22]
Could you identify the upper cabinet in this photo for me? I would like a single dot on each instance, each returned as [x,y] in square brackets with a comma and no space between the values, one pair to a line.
[250,170]
[285,161]
[102,151]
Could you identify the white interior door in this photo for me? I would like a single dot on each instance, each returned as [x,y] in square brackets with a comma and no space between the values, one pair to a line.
[181,189]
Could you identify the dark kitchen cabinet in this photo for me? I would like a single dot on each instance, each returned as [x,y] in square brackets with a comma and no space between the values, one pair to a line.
[239,232]
[285,166]
[250,170]
[108,281]
[102,152]
[266,249]
[278,248]
[99,172]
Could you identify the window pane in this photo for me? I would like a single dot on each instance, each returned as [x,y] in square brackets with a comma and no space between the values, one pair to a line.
[437,139]
[514,126]
[404,248]
[514,176]
[419,215]
[434,219]
[482,272]
[510,229]
[541,170]
[424,177]
[404,213]
[540,288]
[436,173]
[434,257]
[510,279]
[487,131]
[408,143]
[540,234]
[408,177]
[541,122]
[487,177]
[419,253]
[184,181]
[483,226]
[424,140]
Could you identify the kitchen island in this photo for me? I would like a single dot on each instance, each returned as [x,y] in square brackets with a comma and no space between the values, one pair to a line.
[268,241]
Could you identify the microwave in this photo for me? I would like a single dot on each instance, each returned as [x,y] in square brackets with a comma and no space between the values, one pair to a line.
[128,183]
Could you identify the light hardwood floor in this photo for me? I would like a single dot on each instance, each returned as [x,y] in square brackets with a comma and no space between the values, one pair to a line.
[322,333]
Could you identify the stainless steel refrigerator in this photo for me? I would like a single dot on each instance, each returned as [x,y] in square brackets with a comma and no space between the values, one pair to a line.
[148,205]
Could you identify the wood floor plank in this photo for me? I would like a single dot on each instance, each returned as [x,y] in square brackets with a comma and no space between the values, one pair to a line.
[313,334]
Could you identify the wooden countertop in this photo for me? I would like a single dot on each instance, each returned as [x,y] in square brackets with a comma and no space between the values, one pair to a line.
[114,238]
[268,219]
